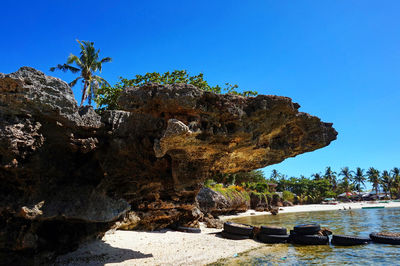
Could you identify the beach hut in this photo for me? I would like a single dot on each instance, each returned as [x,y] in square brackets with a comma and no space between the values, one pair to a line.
[345,196]
[331,201]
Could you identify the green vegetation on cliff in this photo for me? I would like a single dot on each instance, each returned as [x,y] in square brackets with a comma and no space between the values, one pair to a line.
[107,95]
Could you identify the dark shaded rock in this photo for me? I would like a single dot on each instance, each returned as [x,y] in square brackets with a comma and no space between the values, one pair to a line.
[67,174]
[211,222]
[214,203]
[258,202]
[50,194]
[274,210]
[129,221]
[287,203]
[276,200]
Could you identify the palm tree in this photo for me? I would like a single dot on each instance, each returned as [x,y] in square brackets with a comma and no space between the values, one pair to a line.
[282,183]
[373,176]
[359,180]
[275,175]
[396,179]
[347,177]
[331,177]
[387,182]
[87,64]
[317,176]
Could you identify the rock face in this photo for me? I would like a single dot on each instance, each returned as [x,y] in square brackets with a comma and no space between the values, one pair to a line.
[67,173]
[258,203]
[214,203]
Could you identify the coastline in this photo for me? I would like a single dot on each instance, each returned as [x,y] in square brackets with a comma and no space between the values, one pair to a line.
[314,207]
[167,247]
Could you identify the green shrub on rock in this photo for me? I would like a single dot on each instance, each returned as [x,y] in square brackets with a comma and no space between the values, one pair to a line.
[107,96]
[287,195]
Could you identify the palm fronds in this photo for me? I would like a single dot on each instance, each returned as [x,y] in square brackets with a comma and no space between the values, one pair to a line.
[65,68]
[87,63]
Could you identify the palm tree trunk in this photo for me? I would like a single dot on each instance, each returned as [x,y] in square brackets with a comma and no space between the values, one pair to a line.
[90,98]
[84,93]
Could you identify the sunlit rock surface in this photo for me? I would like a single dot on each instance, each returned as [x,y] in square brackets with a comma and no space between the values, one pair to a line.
[67,173]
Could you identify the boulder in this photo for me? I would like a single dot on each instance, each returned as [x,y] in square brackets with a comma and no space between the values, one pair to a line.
[287,203]
[67,174]
[258,202]
[215,203]
[211,222]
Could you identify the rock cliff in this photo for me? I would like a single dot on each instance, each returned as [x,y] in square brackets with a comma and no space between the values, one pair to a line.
[67,173]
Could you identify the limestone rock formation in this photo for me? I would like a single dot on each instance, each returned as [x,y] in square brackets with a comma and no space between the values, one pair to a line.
[67,173]
[214,203]
[258,202]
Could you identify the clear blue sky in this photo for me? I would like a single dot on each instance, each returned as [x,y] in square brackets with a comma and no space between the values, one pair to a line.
[340,60]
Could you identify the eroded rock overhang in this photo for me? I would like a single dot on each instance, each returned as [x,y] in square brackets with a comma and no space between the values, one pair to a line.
[68,173]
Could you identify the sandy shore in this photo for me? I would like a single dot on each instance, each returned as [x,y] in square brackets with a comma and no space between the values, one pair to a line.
[163,247]
[315,207]
[167,247]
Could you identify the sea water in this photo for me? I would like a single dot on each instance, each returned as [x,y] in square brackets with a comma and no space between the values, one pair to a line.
[360,222]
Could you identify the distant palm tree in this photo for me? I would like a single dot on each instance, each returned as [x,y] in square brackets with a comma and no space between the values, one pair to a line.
[396,179]
[331,177]
[282,183]
[373,177]
[347,177]
[387,182]
[359,179]
[317,176]
[275,175]
[88,63]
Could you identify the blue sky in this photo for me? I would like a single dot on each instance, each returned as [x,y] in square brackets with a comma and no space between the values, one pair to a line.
[340,60]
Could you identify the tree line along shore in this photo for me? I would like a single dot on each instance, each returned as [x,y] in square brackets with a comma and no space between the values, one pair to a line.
[281,190]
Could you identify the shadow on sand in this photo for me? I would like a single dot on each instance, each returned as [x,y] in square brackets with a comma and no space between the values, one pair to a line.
[98,253]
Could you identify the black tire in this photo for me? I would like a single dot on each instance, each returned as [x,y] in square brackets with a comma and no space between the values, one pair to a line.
[307,229]
[291,236]
[394,240]
[342,240]
[233,236]
[238,229]
[188,229]
[273,230]
[310,239]
[273,239]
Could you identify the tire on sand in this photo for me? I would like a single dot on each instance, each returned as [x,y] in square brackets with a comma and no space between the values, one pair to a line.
[188,229]
[238,229]
[309,239]
[307,229]
[273,239]
[273,230]
[343,240]
[228,235]
[385,239]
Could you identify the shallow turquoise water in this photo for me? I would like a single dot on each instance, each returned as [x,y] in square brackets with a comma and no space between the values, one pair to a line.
[349,222]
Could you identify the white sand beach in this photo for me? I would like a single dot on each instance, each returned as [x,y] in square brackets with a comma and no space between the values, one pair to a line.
[316,207]
[167,247]
[164,247]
